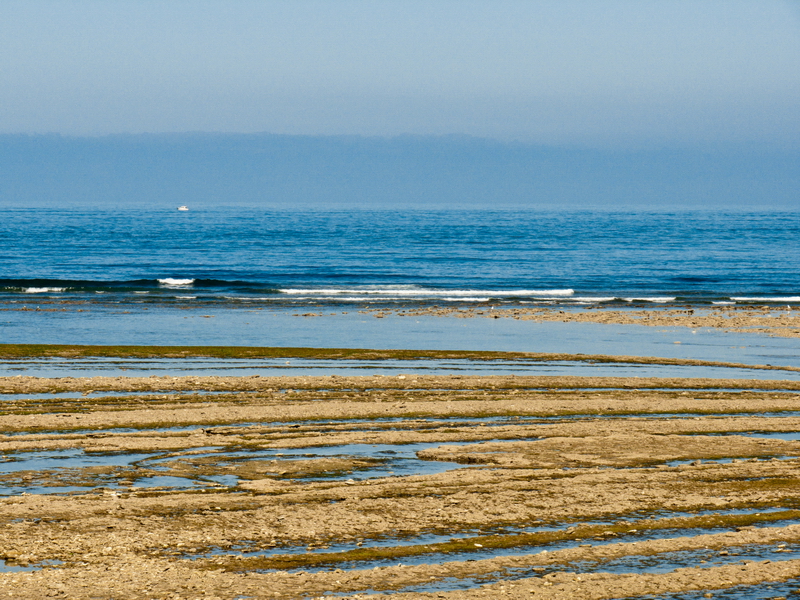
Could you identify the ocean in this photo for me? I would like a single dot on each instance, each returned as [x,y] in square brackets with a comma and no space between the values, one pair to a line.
[243,276]
[336,259]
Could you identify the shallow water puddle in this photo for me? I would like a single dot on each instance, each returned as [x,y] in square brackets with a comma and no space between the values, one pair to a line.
[471,546]
[664,562]
[44,460]
[89,367]
[66,471]
[789,436]
[72,470]
[521,551]
[370,460]
[395,542]
[724,461]
[10,567]
[761,591]
[327,548]
[669,561]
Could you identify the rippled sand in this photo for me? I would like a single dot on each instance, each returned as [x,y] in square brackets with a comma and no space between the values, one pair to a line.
[424,486]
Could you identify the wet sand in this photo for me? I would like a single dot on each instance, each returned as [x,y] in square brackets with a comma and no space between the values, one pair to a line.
[766,320]
[405,486]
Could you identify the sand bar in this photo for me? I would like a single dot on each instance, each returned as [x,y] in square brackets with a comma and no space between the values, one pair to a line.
[413,486]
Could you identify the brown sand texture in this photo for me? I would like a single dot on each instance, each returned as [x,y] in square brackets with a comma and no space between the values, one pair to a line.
[766,320]
[510,487]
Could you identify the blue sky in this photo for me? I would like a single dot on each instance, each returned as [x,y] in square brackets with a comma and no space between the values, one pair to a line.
[606,73]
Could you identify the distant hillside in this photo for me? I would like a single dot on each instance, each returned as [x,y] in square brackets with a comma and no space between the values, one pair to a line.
[283,171]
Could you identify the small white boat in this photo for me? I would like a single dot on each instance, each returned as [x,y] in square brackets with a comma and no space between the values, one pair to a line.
[184,207]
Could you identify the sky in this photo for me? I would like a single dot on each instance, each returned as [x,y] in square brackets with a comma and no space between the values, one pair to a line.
[610,73]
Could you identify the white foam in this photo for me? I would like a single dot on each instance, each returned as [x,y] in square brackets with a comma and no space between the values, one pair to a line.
[170,282]
[408,292]
[335,298]
[242,298]
[763,299]
[186,297]
[723,303]
[43,290]
[589,300]
[657,299]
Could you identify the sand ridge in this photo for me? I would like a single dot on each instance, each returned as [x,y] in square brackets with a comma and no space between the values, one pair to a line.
[769,320]
[554,474]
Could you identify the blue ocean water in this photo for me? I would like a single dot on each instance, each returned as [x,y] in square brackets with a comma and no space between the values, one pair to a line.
[334,258]
[241,276]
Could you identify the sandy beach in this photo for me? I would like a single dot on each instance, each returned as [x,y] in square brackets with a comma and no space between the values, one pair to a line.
[416,486]
[767,320]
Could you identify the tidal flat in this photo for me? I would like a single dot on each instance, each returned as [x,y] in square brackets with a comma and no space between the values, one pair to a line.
[400,485]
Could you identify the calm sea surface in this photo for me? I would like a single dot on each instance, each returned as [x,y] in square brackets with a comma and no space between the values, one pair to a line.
[229,256]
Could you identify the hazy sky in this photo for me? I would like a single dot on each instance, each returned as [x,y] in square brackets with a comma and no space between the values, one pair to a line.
[587,72]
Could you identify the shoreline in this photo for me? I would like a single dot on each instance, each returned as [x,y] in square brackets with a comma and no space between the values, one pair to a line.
[765,320]
[78,351]
[553,332]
